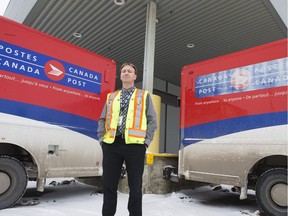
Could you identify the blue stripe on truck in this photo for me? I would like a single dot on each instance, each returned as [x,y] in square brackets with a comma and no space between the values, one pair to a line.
[73,122]
[229,126]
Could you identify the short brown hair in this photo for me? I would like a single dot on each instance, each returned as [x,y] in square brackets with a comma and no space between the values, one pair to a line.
[130,64]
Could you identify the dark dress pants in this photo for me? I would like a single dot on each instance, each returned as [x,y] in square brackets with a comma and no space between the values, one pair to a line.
[113,157]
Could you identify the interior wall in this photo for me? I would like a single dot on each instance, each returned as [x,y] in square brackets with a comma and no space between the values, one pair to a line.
[172,129]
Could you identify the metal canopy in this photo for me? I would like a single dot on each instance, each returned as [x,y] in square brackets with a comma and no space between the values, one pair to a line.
[215,27]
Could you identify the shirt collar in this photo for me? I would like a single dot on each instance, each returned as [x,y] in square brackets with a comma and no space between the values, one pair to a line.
[128,90]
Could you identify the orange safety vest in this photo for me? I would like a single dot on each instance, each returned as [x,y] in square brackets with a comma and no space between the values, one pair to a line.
[136,122]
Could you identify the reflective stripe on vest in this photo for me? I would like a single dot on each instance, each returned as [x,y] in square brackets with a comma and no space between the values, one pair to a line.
[110,128]
[136,122]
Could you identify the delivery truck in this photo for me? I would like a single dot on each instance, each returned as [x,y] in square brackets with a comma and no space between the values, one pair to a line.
[234,123]
[51,97]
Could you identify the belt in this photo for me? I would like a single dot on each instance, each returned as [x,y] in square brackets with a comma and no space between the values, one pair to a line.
[120,136]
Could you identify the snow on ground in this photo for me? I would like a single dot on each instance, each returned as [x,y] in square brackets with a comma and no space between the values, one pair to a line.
[66,197]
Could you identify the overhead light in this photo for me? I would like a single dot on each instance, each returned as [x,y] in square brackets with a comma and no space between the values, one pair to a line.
[77,34]
[190,45]
[119,2]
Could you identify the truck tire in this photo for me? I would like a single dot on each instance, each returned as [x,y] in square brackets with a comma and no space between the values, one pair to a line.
[271,192]
[13,178]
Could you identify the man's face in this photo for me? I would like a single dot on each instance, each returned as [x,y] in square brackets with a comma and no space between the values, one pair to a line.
[127,74]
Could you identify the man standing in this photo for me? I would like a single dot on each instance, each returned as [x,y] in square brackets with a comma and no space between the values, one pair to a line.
[126,128]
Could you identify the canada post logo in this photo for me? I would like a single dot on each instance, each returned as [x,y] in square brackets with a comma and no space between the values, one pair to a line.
[54,70]
[241,79]
[263,75]
[28,63]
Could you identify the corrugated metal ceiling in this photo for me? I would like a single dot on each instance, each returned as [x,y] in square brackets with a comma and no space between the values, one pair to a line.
[216,27]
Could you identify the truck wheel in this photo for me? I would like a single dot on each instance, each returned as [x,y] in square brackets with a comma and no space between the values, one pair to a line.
[271,192]
[13,178]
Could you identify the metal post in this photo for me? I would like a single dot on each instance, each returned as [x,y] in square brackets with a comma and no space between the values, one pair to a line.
[148,68]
